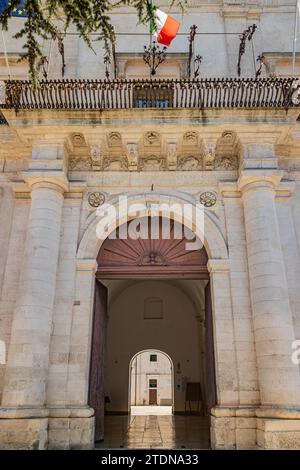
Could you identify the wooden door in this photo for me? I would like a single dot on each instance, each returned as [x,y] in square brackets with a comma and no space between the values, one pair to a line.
[152,396]
[97,370]
[209,348]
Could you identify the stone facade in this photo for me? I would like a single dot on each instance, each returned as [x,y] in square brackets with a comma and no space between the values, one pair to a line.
[58,166]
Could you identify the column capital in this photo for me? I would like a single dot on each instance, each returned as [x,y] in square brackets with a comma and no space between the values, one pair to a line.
[262,179]
[51,179]
[220,265]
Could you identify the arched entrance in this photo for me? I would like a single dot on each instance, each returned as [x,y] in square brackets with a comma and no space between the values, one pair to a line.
[165,289]
[151,383]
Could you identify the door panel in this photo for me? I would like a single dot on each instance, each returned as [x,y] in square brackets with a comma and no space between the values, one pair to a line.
[152,396]
[209,347]
[97,372]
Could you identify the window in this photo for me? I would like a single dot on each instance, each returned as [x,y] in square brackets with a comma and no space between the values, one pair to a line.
[153,357]
[153,309]
[131,65]
[152,383]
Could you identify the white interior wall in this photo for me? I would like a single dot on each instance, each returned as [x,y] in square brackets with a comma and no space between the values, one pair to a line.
[143,370]
[177,334]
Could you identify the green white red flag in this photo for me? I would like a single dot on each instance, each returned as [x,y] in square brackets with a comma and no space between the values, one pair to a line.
[165,28]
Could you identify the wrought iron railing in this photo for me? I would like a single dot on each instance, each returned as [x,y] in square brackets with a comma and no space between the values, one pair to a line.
[127,94]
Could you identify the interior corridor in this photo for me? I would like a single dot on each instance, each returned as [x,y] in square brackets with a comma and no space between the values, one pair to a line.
[156,432]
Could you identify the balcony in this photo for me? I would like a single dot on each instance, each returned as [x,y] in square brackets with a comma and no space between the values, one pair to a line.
[130,94]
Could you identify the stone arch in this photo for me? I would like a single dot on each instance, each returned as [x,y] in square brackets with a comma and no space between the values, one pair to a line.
[212,238]
[219,285]
[171,373]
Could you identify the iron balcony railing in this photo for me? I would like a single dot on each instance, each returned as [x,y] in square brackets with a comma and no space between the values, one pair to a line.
[127,94]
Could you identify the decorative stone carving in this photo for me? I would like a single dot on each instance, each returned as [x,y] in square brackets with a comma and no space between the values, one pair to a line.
[79,163]
[96,199]
[228,136]
[152,138]
[190,163]
[118,163]
[82,159]
[190,138]
[2,92]
[226,163]
[153,258]
[78,140]
[172,156]
[209,158]
[79,153]
[95,154]
[132,155]
[208,199]
[114,139]
[152,163]
[193,155]
[227,151]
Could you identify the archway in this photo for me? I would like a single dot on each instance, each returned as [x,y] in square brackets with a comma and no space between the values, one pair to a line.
[157,260]
[151,383]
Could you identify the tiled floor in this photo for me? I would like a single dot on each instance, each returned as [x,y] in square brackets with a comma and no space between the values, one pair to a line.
[159,432]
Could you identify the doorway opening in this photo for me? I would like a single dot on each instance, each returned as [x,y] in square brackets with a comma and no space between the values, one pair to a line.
[151,384]
[152,296]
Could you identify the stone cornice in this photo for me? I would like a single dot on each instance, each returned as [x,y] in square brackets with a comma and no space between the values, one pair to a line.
[57,412]
[34,123]
[271,412]
[251,12]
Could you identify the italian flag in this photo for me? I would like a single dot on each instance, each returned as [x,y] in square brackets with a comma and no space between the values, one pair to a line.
[166,27]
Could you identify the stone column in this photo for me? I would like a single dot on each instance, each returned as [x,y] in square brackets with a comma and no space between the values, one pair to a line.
[13,248]
[222,424]
[273,324]
[27,366]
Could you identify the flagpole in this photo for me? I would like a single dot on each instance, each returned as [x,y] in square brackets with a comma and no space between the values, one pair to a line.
[49,58]
[295,38]
[5,55]
[151,34]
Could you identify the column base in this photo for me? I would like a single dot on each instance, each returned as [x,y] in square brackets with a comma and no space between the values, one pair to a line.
[233,428]
[278,428]
[23,434]
[278,434]
[41,429]
[244,428]
[71,433]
